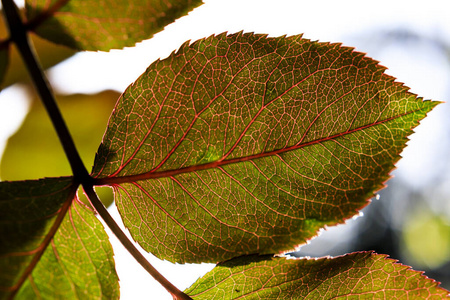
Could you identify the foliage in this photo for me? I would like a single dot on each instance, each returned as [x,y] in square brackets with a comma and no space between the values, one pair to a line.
[233,150]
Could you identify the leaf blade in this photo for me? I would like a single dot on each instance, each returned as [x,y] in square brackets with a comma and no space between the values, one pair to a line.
[81,259]
[86,116]
[324,278]
[51,246]
[94,26]
[31,213]
[246,144]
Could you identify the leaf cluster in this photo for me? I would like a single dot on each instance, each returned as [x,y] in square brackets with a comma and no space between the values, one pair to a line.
[235,149]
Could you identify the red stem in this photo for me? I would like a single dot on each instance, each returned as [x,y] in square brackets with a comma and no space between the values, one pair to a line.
[19,35]
[101,210]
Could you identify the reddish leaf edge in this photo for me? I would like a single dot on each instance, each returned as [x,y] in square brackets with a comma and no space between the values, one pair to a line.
[386,257]
[254,258]
[33,24]
[154,174]
[113,181]
[368,253]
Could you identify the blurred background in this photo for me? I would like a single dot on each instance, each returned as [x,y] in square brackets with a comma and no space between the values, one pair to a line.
[409,220]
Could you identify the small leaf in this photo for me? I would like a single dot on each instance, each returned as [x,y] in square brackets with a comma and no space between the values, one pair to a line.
[81,261]
[353,276]
[245,144]
[93,25]
[30,213]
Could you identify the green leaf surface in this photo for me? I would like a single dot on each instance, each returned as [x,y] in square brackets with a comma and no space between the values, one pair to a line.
[85,115]
[50,246]
[245,144]
[81,261]
[362,275]
[30,213]
[103,25]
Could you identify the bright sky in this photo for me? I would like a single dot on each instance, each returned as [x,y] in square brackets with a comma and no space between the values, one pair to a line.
[354,23]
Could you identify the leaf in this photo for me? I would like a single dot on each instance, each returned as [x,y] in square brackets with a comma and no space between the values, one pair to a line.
[362,275]
[81,261]
[245,144]
[85,115]
[93,25]
[30,213]
[48,254]
[49,55]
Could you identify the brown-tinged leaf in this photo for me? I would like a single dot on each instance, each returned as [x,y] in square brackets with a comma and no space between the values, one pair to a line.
[362,275]
[103,25]
[240,144]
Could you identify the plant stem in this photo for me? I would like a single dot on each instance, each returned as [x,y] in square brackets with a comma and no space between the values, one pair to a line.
[101,210]
[18,34]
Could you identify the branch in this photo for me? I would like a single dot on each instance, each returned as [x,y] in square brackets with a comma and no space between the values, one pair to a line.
[101,210]
[18,34]
[46,14]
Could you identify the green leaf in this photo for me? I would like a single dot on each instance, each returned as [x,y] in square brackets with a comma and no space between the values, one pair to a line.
[50,246]
[30,213]
[93,25]
[81,261]
[245,144]
[86,117]
[362,275]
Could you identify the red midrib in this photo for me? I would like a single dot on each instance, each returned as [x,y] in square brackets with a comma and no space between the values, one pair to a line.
[163,174]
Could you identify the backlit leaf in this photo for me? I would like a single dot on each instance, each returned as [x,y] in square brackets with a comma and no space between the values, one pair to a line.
[362,275]
[81,261]
[86,117]
[30,213]
[245,144]
[103,25]
[50,246]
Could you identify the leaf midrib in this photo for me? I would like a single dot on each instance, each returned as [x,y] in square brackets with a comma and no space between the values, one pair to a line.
[219,163]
